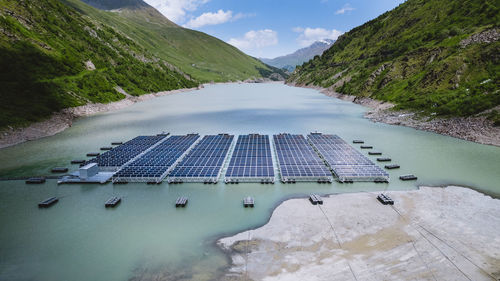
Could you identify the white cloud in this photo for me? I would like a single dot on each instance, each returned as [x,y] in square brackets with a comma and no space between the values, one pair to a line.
[343,10]
[242,16]
[210,19]
[215,18]
[310,35]
[175,10]
[255,39]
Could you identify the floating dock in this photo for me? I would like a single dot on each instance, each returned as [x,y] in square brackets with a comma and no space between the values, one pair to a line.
[297,160]
[77,161]
[181,202]
[116,143]
[347,163]
[385,199]
[112,202]
[358,141]
[392,166]
[366,147]
[59,170]
[35,180]
[106,148]
[251,160]
[204,162]
[408,177]
[384,159]
[248,202]
[93,154]
[374,153]
[48,202]
[315,199]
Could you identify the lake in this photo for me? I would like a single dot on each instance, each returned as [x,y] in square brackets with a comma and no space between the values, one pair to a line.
[146,237]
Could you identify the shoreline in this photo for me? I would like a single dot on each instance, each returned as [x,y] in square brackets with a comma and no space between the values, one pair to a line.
[60,121]
[305,242]
[63,119]
[474,128]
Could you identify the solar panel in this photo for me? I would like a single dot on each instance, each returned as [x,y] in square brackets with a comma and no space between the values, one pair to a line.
[113,159]
[156,163]
[297,161]
[204,162]
[251,160]
[347,163]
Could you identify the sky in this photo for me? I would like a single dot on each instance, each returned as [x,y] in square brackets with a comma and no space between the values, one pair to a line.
[271,28]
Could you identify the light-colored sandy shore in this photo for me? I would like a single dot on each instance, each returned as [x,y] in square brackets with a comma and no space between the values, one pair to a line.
[474,128]
[435,234]
[64,119]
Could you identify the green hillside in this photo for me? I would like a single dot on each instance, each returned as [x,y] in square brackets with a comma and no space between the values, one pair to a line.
[44,46]
[56,54]
[202,56]
[431,56]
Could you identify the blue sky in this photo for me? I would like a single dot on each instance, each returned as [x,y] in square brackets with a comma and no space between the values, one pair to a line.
[274,27]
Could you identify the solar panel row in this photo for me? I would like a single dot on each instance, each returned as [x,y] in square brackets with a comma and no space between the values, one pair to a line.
[155,164]
[347,163]
[251,160]
[120,155]
[204,162]
[297,161]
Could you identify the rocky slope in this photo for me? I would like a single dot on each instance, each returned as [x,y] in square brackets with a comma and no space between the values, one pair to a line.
[433,57]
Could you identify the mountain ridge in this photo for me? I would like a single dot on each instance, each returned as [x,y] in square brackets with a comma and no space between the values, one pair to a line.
[200,55]
[415,56]
[57,54]
[300,56]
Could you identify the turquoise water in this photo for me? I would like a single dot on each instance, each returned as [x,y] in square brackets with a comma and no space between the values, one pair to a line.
[146,237]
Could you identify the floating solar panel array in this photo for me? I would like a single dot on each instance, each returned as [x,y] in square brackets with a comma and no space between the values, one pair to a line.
[204,162]
[297,161]
[154,165]
[113,159]
[251,160]
[347,163]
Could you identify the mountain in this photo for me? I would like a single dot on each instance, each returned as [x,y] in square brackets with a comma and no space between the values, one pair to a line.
[56,54]
[52,58]
[431,56]
[300,56]
[116,4]
[202,56]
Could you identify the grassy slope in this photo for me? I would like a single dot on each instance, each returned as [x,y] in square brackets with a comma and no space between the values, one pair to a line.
[425,68]
[200,55]
[43,47]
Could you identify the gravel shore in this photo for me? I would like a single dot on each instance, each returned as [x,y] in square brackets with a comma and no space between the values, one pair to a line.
[62,120]
[433,233]
[475,128]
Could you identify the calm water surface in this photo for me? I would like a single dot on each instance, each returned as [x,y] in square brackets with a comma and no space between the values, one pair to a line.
[146,237]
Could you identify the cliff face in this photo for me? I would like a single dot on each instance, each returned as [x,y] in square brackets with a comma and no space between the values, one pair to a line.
[435,57]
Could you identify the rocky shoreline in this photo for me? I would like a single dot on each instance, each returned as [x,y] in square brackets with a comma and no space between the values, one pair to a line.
[475,128]
[62,120]
[432,233]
